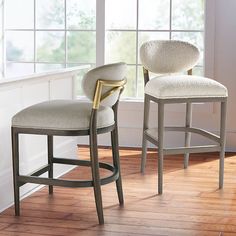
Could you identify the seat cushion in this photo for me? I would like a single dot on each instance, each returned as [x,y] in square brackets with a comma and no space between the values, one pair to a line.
[184,86]
[62,115]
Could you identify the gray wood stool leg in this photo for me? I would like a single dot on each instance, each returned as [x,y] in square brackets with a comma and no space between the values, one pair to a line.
[50,162]
[188,123]
[160,146]
[145,126]
[15,160]
[116,161]
[222,143]
[95,168]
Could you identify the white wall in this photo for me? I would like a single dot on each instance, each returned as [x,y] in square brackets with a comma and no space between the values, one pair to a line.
[1,35]
[225,60]
[16,95]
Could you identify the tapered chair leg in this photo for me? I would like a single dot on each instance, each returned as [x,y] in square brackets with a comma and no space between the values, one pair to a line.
[15,160]
[222,143]
[95,168]
[116,161]
[50,162]
[145,126]
[160,146]
[188,124]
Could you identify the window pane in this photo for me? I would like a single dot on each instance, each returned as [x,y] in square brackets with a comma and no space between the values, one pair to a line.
[121,46]
[146,36]
[130,87]
[121,14]
[198,70]
[50,46]
[188,14]
[40,67]
[19,69]
[195,38]
[50,14]
[81,47]
[81,14]
[19,46]
[19,14]
[154,14]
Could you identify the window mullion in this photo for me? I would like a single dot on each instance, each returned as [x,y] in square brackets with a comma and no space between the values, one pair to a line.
[65,34]
[170,20]
[35,50]
[100,32]
[3,51]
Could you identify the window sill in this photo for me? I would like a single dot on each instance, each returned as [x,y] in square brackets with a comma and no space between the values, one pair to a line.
[38,76]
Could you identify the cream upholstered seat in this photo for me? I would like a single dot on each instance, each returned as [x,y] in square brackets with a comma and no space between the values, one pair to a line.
[103,86]
[62,115]
[181,86]
[169,57]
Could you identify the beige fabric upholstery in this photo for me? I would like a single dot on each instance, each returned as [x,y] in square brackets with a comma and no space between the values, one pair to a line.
[62,115]
[184,86]
[165,56]
[114,71]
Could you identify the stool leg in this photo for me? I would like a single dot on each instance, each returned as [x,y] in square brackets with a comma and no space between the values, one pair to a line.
[188,124]
[160,146]
[222,143]
[95,167]
[15,161]
[116,161]
[145,126]
[50,161]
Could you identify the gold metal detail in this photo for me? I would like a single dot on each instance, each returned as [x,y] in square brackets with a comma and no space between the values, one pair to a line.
[190,72]
[98,96]
[145,71]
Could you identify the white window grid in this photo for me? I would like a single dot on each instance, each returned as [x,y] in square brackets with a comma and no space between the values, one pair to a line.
[100,37]
[36,62]
[170,31]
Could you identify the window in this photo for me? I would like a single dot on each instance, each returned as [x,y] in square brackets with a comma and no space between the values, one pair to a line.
[42,35]
[130,23]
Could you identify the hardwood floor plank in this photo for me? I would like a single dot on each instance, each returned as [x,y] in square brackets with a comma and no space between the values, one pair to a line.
[190,205]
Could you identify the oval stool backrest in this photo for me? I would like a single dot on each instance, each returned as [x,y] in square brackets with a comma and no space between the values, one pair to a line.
[168,56]
[116,71]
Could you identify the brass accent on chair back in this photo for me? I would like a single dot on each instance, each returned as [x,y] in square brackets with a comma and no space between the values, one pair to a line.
[115,87]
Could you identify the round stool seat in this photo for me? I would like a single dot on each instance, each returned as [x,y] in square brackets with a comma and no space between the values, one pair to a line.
[62,115]
[184,86]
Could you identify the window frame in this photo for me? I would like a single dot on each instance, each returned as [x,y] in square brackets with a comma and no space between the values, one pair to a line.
[209,28]
[170,31]
[36,62]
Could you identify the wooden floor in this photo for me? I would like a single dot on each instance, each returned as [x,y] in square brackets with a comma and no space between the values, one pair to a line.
[190,205]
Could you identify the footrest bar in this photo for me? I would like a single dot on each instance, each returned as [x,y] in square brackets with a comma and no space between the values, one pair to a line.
[195,149]
[81,163]
[23,179]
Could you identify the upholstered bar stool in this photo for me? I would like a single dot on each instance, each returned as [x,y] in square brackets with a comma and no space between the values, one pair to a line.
[102,86]
[166,58]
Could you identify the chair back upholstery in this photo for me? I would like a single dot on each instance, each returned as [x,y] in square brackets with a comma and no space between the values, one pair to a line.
[168,56]
[112,72]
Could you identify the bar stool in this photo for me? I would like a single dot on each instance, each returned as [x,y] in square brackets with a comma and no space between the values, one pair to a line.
[167,57]
[103,86]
